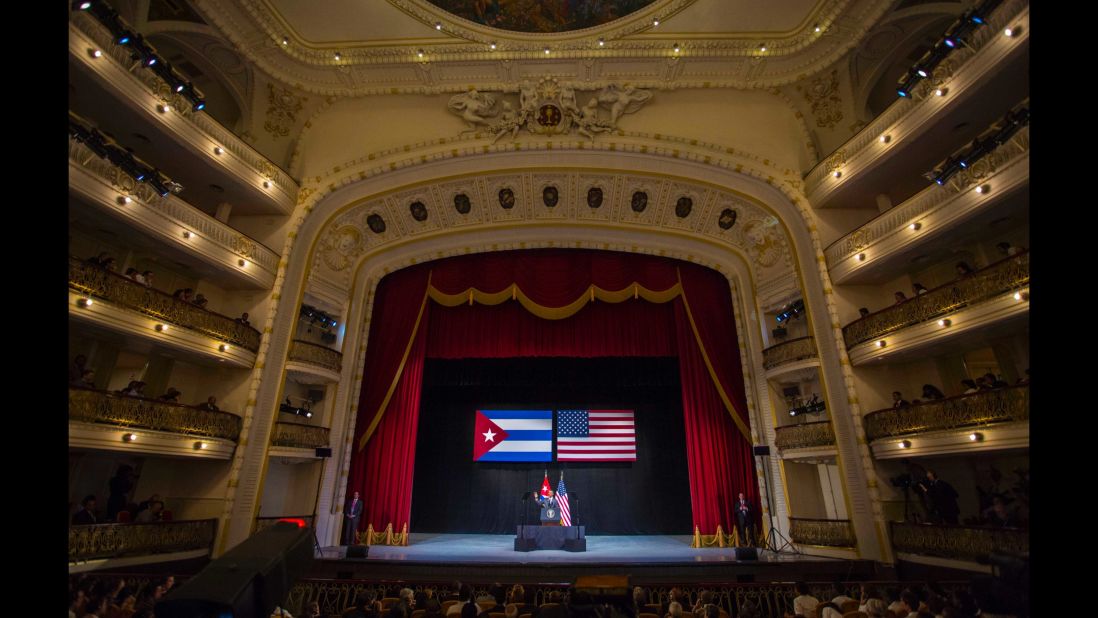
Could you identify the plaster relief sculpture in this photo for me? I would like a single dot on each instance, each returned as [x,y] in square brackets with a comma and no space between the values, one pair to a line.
[547,108]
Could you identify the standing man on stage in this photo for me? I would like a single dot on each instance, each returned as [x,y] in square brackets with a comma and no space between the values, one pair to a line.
[744,521]
[550,511]
[353,514]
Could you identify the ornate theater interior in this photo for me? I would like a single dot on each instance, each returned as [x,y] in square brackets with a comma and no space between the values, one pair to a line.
[419,251]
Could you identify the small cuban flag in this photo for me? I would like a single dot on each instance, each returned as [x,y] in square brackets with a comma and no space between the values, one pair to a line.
[513,435]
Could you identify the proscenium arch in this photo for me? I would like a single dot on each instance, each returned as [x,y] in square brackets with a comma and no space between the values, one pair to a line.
[317,208]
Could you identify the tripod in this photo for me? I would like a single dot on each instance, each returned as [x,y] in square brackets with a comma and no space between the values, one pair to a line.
[775,541]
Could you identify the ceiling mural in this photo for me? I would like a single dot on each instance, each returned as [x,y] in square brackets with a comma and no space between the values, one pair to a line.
[541,15]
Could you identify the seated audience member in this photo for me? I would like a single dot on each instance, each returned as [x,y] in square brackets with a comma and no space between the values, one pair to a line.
[151,514]
[892,595]
[97,607]
[124,605]
[144,505]
[875,608]
[139,277]
[76,369]
[168,582]
[963,269]
[433,609]
[899,297]
[86,515]
[640,599]
[148,278]
[183,294]
[995,382]
[898,400]
[1006,249]
[519,600]
[931,392]
[1000,515]
[675,595]
[87,379]
[674,610]
[862,312]
[470,610]
[804,604]
[131,274]
[919,289]
[749,610]
[243,319]
[210,404]
[909,604]
[403,607]
[366,606]
[838,596]
[466,596]
[97,260]
[970,387]
[312,610]
[171,396]
[705,598]
[828,609]
[200,301]
[712,611]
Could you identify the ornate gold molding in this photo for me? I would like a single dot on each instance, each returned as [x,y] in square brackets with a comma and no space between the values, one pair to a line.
[789,351]
[94,406]
[1001,405]
[99,283]
[972,543]
[297,435]
[113,540]
[1000,277]
[804,435]
[315,354]
[823,532]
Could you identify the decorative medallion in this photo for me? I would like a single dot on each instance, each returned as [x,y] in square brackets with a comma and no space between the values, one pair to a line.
[550,196]
[376,223]
[639,201]
[341,246]
[462,204]
[727,219]
[418,210]
[282,109]
[764,242]
[506,198]
[823,95]
[683,207]
[594,197]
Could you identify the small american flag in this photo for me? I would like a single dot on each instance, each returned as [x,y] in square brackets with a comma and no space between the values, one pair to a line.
[562,503]
[596,435]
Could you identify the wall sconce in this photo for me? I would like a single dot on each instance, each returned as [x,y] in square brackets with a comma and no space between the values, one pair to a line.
[915,226]
[983,188]
[198,446]
[837,174]
[218,150]
[242,262]
[124,199]
[905,443]
[861,257]
[976,437]
[223,347]
[129,437]
[163,108]
[944,322]
[161,328]
[84,302]
[881,343]
[884,139]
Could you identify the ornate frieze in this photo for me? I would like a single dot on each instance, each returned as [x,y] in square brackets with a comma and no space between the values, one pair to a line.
[804,435]
[972,543]
[1001,405]
[115,540]
[315,354]
[789,351]
[297,435]
[825,532]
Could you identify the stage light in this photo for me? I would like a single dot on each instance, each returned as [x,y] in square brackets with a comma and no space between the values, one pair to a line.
[180,87]
[950,43]
[901,91]
[84,302]
[308,415]
[976,19]
[944,322]
[129,437]
[199,106]
[151,60]
[124,39]
[921,72]
[85,6]
[161,328]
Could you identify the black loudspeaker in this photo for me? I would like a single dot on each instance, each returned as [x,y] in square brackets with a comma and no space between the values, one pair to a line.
[525,544]
[357,551]
[761,450]
[323,451]
[315,395]
[747,553]
[248,580]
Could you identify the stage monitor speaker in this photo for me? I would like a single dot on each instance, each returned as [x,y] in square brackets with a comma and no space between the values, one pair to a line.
[762,450]
[323,451]
[357,551]
[248,580]
[747,553]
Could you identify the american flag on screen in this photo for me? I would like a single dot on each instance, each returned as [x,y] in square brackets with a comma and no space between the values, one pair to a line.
[596,435]
[562,503]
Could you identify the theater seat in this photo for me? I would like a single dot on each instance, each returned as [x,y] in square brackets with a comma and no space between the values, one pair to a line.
[123,517]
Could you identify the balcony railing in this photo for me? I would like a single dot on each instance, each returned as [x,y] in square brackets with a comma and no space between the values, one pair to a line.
[299,436]
[789,351]
[895,220]
[1001,405]
[805,435]
[173,208]
[101,283]
[95,406]
[262,523]
[314,354]
[115,540]
[972,543]
[181,107]
[824,532]
[998,278]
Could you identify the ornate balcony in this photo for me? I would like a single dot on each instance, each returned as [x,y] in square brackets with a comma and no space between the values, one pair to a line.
[116,540]
[262,523]
[95,406]
[790,351]
[100,283]
[998,278]
[970,543]
[315,354]
[804,435]
[297,435]
[1001,405]
[822,532]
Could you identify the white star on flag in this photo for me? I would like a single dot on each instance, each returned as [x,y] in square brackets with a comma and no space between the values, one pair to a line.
[489,436]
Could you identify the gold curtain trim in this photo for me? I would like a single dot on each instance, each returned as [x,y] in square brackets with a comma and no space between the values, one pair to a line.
[720,539]
[400,371]
[709,365]
[592,294]
[385,537]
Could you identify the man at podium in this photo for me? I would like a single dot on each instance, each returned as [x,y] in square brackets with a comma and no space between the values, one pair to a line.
[550,512]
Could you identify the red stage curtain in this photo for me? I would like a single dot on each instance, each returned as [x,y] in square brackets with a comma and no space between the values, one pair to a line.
[690,316]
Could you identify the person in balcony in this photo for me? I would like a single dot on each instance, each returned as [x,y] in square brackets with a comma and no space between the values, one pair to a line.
[970,387]
[132,274]
[99,259]
[147,503]
[210,404]
[86,380]
[999,515]
[86,515]
[172,396]
[994,382]
[151,514]
[136,388]
[147,278]
[243,319]
[900,297]
[931,392]
[943,499]
[200,301]
[863,312]
[919,289]
[963,269]
[76,369]
[1008,250]
[121,485]
[898,400]
[804,604]
[184,294]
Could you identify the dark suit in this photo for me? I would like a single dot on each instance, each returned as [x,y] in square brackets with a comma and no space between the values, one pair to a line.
[546,505]
[744,520]
[83,517]
[350,520]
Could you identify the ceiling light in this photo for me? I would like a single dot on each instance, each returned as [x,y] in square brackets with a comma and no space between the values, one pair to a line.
[95,53]
[161,328]
[944,322]
[84,302]
[602,42]
[163,108]
[218,150]
[881,343]
[438,25]
[884,139]
[861,257]
[905,443]
[129,437]
[198,446]
[223,347]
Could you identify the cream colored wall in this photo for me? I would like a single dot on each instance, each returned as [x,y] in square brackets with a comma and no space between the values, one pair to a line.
[197,494]
[289,488]
[197,382]
[752,121]
[270,231]
[805,494]
[875,383]
[834,223]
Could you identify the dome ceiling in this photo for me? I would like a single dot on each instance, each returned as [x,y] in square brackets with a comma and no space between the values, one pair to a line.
[541,15]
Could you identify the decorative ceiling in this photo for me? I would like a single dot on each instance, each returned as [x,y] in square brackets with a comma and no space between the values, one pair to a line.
[541,15]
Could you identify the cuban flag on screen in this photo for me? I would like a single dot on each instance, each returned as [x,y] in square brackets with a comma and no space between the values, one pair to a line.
[513,435]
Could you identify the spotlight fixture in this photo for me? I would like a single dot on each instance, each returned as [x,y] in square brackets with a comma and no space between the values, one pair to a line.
[921,72]
[200,445]
[861,257]
[199,106]
[790,311]
[602,42]
[223,347]
[83,6]
[915,226]
[150,61]
[161,328]
[129,437]
[124,39]
[905,443]
[975,437]
[881,343]
[218,150]
[884,139]
[84,302]
[180,87]
[944,322]
[837,174]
